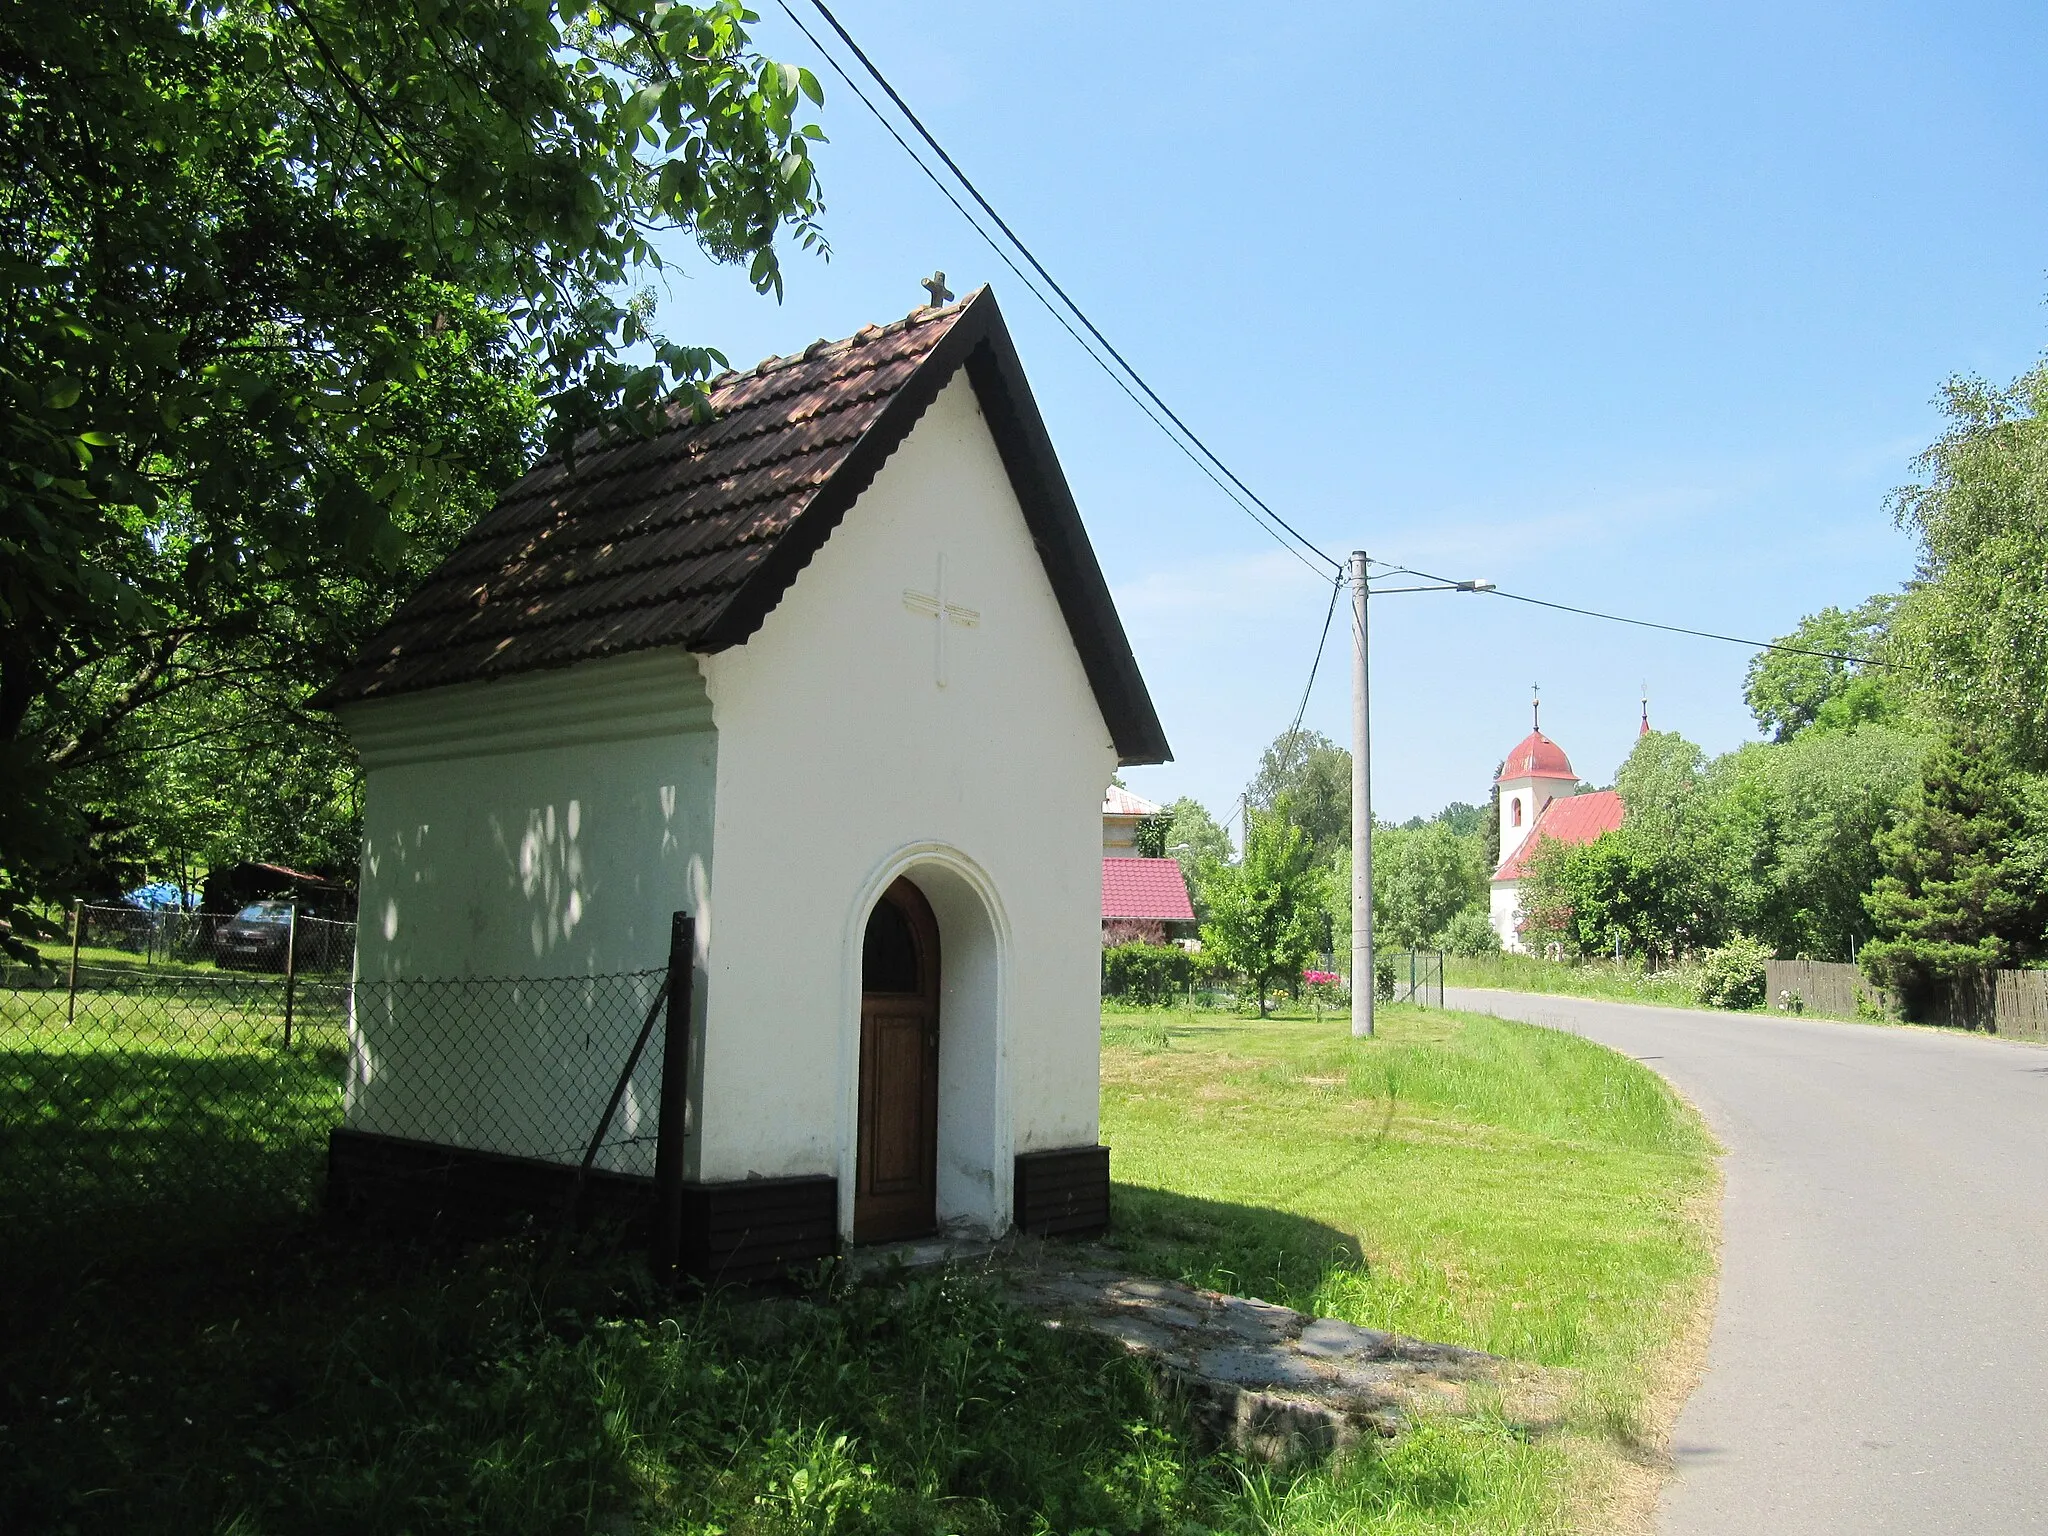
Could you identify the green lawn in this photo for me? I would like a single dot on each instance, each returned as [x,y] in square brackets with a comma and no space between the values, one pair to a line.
[1459,1178]
[186,1349]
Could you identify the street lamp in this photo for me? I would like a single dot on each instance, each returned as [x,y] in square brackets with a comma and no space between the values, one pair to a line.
[1361,782]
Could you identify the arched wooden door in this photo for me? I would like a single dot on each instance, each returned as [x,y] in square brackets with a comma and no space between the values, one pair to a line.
[896,1178]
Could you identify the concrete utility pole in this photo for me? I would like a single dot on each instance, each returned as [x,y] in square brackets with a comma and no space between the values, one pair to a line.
[1361,781]
[1361,806]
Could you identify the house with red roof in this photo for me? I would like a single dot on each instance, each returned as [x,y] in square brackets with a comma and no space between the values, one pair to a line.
[1140,896]
[1540,802]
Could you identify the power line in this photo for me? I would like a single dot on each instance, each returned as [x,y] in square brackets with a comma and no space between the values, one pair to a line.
[1187,441]
[1673,629]
[1295,729]
[1195,448]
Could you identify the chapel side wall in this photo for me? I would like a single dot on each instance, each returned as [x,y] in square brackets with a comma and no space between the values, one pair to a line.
[518,836]
[839,751]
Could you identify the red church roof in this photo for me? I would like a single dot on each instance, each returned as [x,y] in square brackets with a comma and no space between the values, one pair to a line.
[1145,888]
[1536,756]
[1572,820]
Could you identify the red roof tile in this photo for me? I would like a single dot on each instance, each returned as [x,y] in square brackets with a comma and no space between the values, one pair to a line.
[1145,888]
[1570,819]
[1536,756]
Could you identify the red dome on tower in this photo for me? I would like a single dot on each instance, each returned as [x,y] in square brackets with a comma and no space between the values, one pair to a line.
[1536,756]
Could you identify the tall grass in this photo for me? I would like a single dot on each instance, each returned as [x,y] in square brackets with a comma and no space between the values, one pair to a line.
[1626,981]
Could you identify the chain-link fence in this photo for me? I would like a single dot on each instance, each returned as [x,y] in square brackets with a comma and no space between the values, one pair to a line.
[133,1096]
[274,937]
[1418,977]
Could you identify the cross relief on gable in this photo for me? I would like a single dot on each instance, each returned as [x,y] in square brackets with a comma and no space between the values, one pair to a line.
[947,615]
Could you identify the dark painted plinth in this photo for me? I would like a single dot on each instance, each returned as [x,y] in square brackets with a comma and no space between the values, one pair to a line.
[1063,1192]
[752,1229]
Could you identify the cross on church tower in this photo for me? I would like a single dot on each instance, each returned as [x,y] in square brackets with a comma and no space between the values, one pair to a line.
[933,604]
[1536,706]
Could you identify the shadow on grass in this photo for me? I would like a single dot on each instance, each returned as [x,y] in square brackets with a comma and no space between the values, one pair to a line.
[1221,1246]
[109,1155]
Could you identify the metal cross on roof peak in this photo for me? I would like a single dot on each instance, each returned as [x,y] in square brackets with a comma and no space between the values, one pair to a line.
[935,285]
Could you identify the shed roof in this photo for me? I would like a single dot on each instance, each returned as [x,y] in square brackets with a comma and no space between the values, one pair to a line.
[1570,819]
[1118,801]
[690,537]
[1152,888]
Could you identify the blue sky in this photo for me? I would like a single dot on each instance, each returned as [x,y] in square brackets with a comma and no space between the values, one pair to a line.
[1638,307]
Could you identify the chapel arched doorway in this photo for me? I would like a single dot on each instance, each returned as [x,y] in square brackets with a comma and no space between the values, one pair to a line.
[897,1155]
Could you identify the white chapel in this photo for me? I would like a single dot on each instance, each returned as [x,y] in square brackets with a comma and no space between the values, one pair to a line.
[837,673]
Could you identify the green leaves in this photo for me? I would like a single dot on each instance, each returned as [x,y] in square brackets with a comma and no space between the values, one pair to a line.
[297,285]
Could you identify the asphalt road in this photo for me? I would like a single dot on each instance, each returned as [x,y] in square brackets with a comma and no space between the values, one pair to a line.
[1879,1360]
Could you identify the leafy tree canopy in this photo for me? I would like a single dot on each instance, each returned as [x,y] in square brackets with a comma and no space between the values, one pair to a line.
[1266,911]
[1971,635]
[1789,692]
[1795,829]
[1421,879]
[1311,775]
[292,285]
[1186,832]
[1658,780]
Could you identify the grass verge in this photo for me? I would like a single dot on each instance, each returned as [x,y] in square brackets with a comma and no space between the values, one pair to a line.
[1625,981]
[187,1349]
[1459,1178]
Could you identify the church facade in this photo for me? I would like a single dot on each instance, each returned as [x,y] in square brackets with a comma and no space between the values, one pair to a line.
[837,673]
[1540,801]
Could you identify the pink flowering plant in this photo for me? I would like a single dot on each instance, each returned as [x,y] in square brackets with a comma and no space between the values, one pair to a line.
[1324,989]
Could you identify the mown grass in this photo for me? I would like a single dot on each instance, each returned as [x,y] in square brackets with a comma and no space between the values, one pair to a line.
[211,1357]
[1459,1178]
[1625,981]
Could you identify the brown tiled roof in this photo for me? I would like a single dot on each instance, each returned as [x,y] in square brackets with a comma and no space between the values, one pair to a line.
[690,537]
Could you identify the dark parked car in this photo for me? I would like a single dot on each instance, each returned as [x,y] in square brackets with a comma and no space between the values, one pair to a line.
[254,938]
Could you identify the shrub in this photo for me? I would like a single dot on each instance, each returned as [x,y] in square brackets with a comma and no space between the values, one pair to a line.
[1383,976]
[1150,974]
[1470,935]
[1733,975]
[1325,989]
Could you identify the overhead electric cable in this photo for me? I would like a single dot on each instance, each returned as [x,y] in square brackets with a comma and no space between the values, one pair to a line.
[1324,639]
[1194,446]
[1672,629]
[1179,433]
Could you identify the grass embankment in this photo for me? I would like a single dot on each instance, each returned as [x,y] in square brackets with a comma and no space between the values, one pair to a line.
[1458,1178]
[1626,981]
[228,1364]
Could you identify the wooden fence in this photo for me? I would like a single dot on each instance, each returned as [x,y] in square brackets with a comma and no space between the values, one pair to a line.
[2011,1003]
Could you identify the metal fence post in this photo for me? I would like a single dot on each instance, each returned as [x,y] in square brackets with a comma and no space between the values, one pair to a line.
[71,981]
[291,972]
[666,1254]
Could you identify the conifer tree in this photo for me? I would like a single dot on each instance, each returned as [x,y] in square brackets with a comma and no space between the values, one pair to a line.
[1959,894]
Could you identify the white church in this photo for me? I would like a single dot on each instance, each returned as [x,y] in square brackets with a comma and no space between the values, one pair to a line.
[837,673]
[1540,801]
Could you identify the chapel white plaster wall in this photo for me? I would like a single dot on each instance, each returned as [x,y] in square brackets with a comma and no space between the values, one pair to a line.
[837,750]
[545,826]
